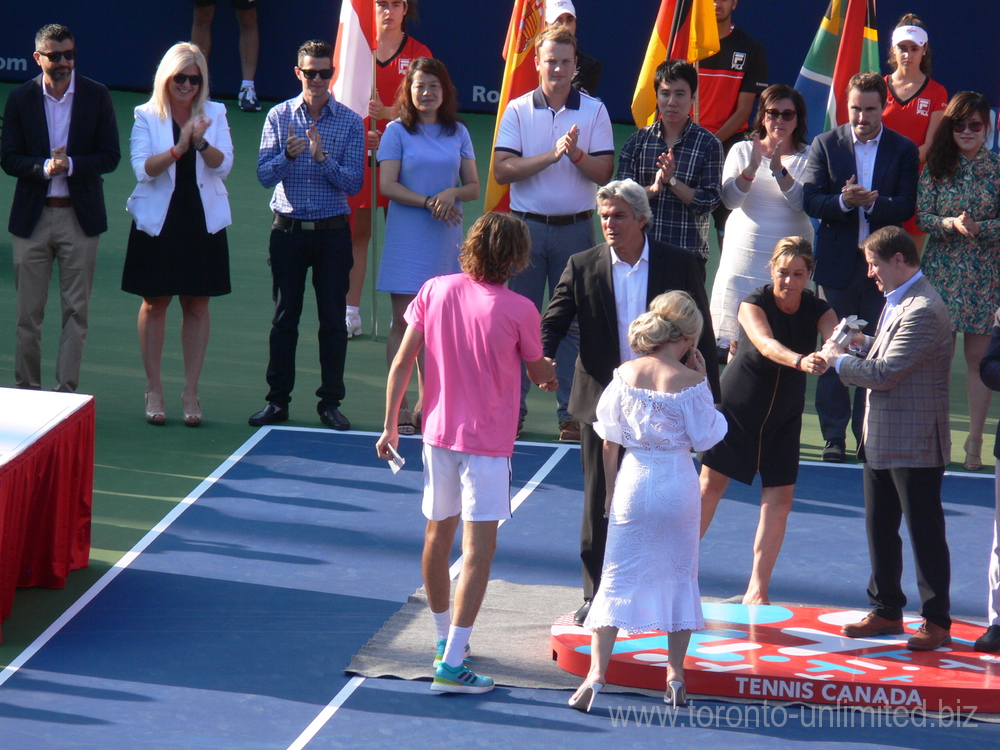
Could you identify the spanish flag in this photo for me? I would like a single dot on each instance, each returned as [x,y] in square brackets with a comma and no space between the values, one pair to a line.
[519,77]
[684,29]
[846,44]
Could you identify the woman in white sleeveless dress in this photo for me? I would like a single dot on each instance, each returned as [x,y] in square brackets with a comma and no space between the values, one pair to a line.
[657,408]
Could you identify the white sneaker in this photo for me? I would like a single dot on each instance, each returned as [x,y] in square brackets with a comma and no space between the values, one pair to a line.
[248,99]
[353,324]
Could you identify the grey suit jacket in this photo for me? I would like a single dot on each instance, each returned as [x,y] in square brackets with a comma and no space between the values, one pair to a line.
[908,373]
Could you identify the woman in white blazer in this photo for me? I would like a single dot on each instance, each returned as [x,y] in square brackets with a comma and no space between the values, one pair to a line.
[181,152]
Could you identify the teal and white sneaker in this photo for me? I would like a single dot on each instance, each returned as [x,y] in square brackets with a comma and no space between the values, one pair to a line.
[459,680]
[439,655]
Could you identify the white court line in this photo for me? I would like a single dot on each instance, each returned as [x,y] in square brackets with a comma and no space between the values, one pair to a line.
[965,474]
[355,682]
[130,556]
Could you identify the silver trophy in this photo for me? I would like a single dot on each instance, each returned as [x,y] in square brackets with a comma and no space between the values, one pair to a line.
[843,334]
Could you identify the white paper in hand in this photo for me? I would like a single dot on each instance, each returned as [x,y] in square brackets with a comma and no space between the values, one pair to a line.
[397,462]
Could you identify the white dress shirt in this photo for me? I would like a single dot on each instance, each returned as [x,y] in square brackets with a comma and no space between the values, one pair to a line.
[631,284]
[57,114]
[864,159]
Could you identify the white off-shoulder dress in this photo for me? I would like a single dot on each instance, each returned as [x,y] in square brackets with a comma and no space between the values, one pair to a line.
[650,575]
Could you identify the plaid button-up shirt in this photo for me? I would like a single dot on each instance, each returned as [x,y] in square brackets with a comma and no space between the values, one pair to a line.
[303,188]
[698,155]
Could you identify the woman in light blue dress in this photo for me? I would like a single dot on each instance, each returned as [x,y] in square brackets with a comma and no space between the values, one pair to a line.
[427,170]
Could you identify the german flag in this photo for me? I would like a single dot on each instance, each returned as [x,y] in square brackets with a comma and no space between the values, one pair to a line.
[684,29]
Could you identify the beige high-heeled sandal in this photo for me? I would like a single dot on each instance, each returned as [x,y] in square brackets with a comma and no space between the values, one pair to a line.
[973,454]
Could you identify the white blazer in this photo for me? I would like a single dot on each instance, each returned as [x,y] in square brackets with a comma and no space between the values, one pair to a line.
[149,201]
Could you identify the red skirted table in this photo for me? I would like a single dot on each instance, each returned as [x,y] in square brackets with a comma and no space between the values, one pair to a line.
[46,488]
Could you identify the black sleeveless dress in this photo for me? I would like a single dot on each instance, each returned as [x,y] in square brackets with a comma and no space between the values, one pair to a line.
[184,259]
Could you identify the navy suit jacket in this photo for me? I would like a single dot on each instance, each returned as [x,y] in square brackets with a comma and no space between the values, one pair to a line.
[831,164]
[93,145]
[586,291]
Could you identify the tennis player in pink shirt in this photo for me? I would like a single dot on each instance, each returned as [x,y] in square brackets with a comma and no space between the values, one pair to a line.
[474,332]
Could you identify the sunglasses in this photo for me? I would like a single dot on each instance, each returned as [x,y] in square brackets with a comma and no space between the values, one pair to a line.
[69,55]
[326,74]
[961,127]
[787,115]
[181,78]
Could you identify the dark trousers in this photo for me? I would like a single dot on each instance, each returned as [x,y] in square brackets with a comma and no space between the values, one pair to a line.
[594,528]
[292,252]
[833,399]
[890,495]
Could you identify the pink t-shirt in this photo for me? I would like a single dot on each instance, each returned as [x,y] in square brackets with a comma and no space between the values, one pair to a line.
[475,337]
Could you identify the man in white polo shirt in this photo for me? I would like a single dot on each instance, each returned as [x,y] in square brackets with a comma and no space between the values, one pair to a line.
[554,147]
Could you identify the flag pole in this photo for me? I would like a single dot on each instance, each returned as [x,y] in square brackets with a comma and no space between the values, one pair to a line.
[373,254]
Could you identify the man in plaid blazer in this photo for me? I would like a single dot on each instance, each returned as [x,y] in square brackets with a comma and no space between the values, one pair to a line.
[906,439]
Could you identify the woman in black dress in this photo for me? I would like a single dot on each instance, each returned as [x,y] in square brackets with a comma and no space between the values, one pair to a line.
[763,396]
[181,152]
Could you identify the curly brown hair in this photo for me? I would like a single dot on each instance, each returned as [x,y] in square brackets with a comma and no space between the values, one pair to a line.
[496,249]
[447,114]
[942,156]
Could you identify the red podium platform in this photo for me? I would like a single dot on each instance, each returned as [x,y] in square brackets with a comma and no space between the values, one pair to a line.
[768,652]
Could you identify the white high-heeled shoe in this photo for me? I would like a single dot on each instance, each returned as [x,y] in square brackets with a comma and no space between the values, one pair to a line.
[676,694]
[585,699]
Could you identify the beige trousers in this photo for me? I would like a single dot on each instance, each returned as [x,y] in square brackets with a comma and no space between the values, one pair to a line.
[57,237]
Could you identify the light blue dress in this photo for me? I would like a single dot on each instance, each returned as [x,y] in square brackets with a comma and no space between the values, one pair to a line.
[418,246]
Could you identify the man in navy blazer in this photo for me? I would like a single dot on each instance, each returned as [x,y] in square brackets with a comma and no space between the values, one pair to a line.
[860,177]
[59,136]
[602,288]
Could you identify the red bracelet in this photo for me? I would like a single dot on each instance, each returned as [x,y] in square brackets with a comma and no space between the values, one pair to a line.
[577,159]
[748,179]
[174,154]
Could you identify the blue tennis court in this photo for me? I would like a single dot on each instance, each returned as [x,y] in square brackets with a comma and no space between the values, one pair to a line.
[230,624]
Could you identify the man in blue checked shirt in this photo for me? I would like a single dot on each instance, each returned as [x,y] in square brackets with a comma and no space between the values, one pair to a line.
[678,162]
[312,154]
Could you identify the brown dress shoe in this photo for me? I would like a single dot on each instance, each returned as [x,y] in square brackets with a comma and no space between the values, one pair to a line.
[872,625]
[929,637]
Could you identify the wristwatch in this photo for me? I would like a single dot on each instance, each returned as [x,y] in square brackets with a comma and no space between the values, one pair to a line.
[779,175]
[201,146]
[672,181]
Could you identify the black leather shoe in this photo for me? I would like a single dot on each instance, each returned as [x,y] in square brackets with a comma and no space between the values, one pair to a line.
[581,614]
[989,641]
[270,414]
[835,451]
[333,419]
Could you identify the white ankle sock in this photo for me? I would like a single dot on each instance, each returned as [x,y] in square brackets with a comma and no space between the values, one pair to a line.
[442,622]
[454,652]
[356,311]
[246,84]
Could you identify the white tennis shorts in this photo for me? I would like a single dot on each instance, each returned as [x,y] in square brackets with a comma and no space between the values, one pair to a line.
[478,487]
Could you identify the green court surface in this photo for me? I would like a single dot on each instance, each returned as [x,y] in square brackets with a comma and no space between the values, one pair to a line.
[143,471]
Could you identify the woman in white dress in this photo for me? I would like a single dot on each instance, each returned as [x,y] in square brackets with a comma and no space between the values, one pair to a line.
[762,184]
[656,407]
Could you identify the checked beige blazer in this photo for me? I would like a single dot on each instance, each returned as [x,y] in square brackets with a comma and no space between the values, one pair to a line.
[908,372]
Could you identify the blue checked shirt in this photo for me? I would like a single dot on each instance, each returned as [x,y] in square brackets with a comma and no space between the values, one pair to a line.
[303,188]
[698,154]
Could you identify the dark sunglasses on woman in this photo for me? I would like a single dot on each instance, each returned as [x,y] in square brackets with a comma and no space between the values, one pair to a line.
[963,125]
[786,114]
[181,78]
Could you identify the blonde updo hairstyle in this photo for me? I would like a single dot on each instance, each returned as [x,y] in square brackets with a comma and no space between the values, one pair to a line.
[671,317]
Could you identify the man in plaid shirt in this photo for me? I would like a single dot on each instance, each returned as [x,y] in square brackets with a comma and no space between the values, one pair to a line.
[679,163]
[312,153]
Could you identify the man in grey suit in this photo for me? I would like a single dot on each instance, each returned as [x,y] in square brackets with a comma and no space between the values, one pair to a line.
[906,440]
[605,288]
[860,177]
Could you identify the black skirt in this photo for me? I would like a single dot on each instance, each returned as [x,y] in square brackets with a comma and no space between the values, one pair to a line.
[184,259]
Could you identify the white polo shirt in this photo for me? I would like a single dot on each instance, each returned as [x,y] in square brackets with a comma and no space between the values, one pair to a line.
[529,127]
